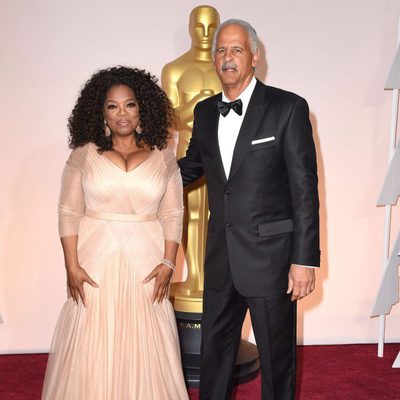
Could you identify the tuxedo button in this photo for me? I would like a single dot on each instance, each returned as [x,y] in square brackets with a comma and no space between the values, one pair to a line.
[228,224]
[227,192]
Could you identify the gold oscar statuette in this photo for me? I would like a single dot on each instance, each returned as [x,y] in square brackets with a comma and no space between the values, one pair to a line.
[187,80]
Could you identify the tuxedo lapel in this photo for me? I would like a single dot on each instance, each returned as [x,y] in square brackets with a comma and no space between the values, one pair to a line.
[255,111]
[212,129]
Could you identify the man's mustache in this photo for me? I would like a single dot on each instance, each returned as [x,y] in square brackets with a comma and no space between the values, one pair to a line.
[229,65]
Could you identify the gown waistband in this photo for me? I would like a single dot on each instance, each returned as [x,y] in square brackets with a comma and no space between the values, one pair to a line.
[120,217]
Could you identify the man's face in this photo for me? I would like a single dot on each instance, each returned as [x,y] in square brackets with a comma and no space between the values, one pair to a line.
[233,60]
[203,23]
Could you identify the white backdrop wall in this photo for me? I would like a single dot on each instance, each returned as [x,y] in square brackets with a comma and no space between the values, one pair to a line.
[334,53]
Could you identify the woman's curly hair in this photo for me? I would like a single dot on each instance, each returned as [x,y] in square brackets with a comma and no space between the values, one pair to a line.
[86,123]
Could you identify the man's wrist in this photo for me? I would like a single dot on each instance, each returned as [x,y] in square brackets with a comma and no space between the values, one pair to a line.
[306,266]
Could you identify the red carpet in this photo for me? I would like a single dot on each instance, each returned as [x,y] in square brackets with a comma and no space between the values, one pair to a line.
[351,372]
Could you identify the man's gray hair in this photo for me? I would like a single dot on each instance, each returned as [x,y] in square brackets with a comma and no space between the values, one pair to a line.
[251,32]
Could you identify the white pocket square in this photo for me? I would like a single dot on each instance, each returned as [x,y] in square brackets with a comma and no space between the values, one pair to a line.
[267,139]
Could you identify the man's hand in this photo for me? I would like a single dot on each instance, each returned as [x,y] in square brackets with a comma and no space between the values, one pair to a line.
[301,281]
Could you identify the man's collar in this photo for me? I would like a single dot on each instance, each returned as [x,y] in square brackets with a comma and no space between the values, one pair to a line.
[246,94]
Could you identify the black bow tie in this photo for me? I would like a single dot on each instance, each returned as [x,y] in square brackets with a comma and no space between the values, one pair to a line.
[224,107]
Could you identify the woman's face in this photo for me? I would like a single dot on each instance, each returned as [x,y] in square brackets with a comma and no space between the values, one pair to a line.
[121,110]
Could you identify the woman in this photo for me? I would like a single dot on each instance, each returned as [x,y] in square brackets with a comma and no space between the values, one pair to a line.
[120,219]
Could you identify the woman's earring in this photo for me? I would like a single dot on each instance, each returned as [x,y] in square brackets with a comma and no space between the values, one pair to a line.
[107,130]
[138,130]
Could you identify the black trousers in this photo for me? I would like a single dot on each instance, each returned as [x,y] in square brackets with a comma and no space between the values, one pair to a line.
[274,325]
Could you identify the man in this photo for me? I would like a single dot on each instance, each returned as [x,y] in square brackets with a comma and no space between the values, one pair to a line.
[255,148]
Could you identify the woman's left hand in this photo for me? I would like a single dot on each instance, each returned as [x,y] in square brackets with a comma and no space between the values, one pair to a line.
[162,274]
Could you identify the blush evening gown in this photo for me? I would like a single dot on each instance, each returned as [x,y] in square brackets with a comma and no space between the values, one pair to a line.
[121,346]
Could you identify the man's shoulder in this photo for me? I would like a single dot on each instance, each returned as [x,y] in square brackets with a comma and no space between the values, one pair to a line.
[208,102]
[281,95]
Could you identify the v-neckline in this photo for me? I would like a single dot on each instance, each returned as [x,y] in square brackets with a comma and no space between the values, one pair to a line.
[124,171]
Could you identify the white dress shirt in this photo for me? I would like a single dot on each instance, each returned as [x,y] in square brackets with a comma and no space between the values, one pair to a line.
[229,127]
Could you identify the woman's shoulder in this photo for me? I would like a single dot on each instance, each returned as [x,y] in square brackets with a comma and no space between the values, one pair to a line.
[169,152]
[78,156]
[169,156]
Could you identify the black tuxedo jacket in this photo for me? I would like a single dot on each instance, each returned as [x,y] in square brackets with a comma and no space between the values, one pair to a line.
[264,215]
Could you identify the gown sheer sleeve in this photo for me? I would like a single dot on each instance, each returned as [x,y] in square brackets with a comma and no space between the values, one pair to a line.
[71,205]
[170,212]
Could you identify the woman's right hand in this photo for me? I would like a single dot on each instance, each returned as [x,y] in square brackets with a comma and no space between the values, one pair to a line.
[76,276]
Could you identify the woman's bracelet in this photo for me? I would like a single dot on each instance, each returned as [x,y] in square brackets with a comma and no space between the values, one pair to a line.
[168,263]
